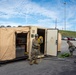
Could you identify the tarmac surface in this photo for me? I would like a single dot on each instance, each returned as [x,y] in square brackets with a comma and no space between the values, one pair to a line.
[46,66]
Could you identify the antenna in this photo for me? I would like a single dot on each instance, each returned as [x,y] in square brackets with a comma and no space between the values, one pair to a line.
[65,15]
[56,23]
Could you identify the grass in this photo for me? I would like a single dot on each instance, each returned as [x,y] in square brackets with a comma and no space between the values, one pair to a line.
[64,55]
[68,33]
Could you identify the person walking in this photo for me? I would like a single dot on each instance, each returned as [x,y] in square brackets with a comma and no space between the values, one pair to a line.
[35,50]
[71,47]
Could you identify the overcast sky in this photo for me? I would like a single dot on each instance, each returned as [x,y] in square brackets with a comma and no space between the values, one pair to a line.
[45,13]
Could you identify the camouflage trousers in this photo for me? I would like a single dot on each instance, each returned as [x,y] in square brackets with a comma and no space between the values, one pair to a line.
[34,54]
[71,49]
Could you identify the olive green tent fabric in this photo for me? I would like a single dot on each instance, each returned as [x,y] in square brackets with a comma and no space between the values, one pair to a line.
[7,42]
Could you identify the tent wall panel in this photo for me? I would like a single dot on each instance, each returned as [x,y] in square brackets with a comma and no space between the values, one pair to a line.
[7,42]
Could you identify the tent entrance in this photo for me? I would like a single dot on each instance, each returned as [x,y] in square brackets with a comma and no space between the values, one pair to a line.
[41,32]
[21,44]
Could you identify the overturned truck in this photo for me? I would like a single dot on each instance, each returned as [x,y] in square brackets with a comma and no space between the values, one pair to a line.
[16,42]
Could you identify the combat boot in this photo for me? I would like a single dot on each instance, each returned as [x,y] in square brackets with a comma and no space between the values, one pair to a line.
[35,62]
[32,62]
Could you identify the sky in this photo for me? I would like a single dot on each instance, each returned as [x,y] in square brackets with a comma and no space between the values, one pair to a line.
[44,13]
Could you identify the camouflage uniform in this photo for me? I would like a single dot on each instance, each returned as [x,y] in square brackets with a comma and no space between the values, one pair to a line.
[35,51]
[71,47]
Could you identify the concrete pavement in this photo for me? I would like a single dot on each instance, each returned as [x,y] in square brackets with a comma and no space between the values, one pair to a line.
[48,66]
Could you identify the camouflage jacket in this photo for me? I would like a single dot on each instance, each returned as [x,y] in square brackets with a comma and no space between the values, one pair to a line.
[35,44]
